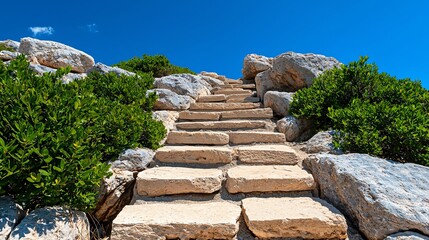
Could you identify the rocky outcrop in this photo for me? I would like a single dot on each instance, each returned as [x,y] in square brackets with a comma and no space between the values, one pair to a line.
[56,55]
[168,100]
[134,159]
[254,64]
[168,118]
[293,71]
[8,55]
[184,84]
[69,77]
[294,129]
[408,235]
[381,197]
[10,214]
[10,44]
[104,69]
[214,82]
[214,75]
[321,142]
[52,223]
[279,102]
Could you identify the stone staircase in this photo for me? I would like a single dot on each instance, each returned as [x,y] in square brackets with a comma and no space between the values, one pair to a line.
[225,173]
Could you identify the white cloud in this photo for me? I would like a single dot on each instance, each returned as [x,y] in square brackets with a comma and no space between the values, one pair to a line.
[92,28]
[41,30]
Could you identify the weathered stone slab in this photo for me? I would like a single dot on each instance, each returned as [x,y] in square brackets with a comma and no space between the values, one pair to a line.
[256,137]
[190,115]
[303,217]
[212,98]
[177,180]
[244,99]
[221,125]
[272,178]
[228,91]
[267,154]
[223,106]
[194,154]
[215,220]
[201,138]
[259,113]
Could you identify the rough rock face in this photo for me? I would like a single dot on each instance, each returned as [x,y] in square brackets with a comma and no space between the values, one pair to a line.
[11,44]
[52,223]
[214,82]
[293,71]
[7,55]
[321,142]
[10,214]
[184,84]
[294,129]
[168,118]
[115,193]
[104,69]
[279,102]
[56,55]
[168,100]
[69,77]
[407,236]
[381,197]
[134,159]
[254,64]
[213,75]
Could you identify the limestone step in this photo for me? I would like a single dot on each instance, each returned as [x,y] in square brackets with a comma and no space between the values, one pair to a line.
[161,181]
[231,81]
[222,125]
[301,217]
[212,98]
[199,138]
[214,220]
[243,99]
[268,178]
[258,113]
[267,154]
[192,115]
[244,86]
[223,106]
[256,137]
[194,154]
[228,91]
[241,95]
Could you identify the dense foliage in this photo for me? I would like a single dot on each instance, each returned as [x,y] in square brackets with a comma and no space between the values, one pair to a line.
[5,47]
[157,65]
[56,138]
[375,113]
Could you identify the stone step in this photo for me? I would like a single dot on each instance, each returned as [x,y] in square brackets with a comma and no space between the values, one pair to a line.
[223,106]
[161,181]
[212,98]
[256,137]
[244,86]
[194,154]
[267,154]
[222,125]
[258,113]
[301,217]
[243,99]
[231,81]
[268,178]
[197,138]
[214,220]
[241,95]
[228,91]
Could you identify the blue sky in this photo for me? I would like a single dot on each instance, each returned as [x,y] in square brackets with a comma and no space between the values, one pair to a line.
[216,35]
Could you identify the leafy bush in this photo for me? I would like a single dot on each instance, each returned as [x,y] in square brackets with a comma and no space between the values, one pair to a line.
[375,113]
[157,65]
[56,137]
[7,48]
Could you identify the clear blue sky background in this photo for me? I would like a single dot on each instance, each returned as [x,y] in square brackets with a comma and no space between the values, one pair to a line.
[216,35]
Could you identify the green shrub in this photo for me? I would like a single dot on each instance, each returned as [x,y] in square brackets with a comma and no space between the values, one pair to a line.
[56,137]
[7,48]
[375,113]
[157,65]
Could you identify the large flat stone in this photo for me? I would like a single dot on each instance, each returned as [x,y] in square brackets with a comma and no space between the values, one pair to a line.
[256,137]
[244,100]
[216,220]
[200,138]
[222,125]
[303,217]
[212,98]
[194,154]
[238,86]
[223,106]
[267,154]
[190,115]
[228,91]
[177,180]
[272,178]
[381,197]
[260,113]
